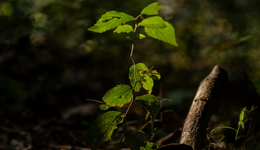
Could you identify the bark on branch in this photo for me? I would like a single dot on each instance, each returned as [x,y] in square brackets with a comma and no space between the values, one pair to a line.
[210,91]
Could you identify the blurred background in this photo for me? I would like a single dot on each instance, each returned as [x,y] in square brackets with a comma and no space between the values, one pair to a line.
[50,63]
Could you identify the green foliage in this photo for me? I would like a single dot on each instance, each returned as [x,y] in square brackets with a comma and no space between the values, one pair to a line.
[241,117]
[153,22]
[136,141]
[151,9]
[155,26]
[149,102]
[140,77]
[103,127]
[110,20]
[144,77]
[139,36]
[245,115]
[164,34]
[118,96]
[124,28]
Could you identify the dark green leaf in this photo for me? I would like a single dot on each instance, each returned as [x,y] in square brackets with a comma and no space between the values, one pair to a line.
[164,34]
[104,107]
[150,102]
[118,96]
[152,9]
[155,75]
[129,38]
[135,140]
[153,22]
[103,127]
[124,28]
[110,20]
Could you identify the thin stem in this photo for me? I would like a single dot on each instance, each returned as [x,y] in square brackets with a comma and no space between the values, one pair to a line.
[133,89]
[93,100]
[237,131]
[250,125]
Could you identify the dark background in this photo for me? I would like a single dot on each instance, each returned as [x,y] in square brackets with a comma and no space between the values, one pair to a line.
[50,63]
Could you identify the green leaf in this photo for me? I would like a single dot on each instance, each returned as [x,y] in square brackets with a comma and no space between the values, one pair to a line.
[103,127]
[150,102]
[153,22]
[147,83]
[136,141]
[164,34]
[224,127]
[155,75]
[110,20]
[144,77]
[129,38]
[124,28]
[104,107]
[140,67]
[140,36]
[118,96]
[152,9]
[242,115]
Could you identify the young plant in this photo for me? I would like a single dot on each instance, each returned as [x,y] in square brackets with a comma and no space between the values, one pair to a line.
[139,75]
[245,116]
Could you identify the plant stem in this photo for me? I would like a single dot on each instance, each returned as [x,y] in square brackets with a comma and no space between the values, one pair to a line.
[237,131]
[133,89]
[93,100]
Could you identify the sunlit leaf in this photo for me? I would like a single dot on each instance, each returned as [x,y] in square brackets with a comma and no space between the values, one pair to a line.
[150,102]
[153,22]
[152,9]
[118,96]
[103,127]
[124,28]
[136,141]
[110,20]
[242,114]
[164,34]
[241,118]
[147,83]
[139,36]
[144,77]
[140,67]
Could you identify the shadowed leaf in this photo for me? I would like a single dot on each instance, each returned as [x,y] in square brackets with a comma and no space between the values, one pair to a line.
[103,127]
[136,142]
[150,102]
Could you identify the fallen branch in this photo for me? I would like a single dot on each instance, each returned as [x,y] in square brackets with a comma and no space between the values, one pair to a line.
[209,93]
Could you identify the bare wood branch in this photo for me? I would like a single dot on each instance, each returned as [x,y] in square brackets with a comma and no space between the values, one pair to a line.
[209,92]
